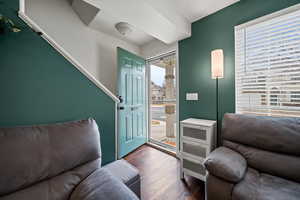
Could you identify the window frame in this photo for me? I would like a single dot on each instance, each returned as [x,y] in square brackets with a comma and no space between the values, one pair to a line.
[252,23]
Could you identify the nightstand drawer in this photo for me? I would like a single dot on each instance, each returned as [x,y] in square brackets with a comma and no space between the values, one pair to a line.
[197,140]
[195,133]
[194,149]
[194,166]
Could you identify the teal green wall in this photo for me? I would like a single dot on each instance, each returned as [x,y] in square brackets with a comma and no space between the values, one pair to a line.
[214,32]
[38,86]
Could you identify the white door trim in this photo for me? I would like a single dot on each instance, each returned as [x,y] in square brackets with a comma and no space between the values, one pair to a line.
[177,94]
[177,104]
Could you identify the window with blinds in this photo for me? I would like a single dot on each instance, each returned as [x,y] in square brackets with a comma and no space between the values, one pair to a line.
[267,56]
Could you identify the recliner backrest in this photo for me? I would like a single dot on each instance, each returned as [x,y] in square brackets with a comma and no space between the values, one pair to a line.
[281,135]
[35,153]
[269,144]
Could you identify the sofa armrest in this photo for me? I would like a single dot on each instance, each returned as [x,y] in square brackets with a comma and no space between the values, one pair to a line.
[226,164]
[101,184]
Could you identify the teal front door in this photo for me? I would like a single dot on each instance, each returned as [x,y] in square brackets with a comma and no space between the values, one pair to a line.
[132,108]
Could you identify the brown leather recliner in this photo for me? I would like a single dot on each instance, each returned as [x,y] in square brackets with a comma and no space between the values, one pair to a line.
[259,159]
[58,162]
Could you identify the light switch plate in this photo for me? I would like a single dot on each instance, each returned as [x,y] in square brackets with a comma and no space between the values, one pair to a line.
[192,96]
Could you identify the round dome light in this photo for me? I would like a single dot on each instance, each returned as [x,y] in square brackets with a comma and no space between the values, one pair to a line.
[123,28]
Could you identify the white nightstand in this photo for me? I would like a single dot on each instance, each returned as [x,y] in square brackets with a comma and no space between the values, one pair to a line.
[197,140]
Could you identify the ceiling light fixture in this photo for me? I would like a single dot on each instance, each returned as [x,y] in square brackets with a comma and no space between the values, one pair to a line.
[123,28]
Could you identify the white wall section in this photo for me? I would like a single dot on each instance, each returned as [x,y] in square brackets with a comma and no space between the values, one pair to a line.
[94,50]
[157,48]
[85,11]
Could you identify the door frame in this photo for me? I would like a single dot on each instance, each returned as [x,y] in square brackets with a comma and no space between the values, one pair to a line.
[148,94]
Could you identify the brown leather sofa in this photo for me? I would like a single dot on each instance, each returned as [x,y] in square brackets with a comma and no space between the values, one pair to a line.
[259,159]
[60,162]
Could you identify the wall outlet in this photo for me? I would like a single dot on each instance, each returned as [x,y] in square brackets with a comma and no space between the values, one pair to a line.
[192,96]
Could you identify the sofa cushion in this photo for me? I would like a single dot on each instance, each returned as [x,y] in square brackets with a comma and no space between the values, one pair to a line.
[126,173]
[281,135]
[265,187]
[226,164]
[35,153]
[276,164]
[57,188]
[102,185]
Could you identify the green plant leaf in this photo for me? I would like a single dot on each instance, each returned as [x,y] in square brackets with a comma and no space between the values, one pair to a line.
[15,30]
[6,22]
[10,21]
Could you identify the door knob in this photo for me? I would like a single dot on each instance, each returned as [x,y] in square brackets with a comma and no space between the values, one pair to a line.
[121,107]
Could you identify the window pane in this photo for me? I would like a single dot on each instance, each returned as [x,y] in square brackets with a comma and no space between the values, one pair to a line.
[268,66]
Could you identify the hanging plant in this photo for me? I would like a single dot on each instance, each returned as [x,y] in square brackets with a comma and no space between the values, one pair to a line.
[7,24]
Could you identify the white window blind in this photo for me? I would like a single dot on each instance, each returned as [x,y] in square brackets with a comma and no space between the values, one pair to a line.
[267,56]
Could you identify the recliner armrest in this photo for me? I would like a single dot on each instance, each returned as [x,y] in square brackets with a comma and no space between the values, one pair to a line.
[226,164]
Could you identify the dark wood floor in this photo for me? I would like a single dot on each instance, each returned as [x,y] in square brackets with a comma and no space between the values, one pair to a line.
[160,176]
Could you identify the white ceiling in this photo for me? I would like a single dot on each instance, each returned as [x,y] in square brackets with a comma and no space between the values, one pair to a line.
[165,20]
[193,10]
[105,22]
